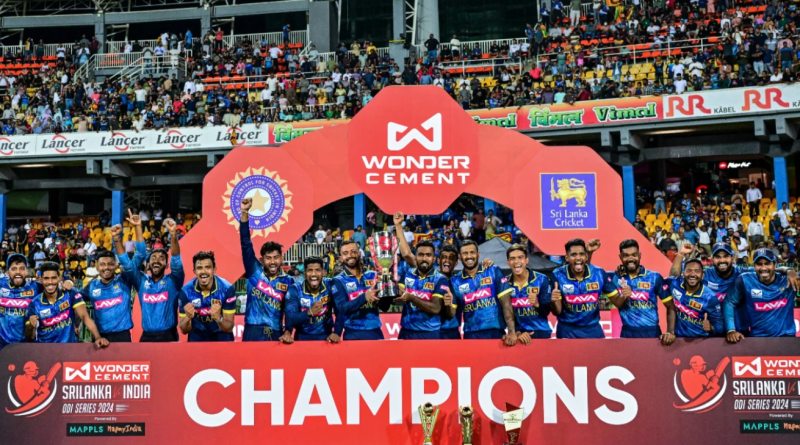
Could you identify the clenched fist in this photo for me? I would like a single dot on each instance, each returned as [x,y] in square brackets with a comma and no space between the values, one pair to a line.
[189,309]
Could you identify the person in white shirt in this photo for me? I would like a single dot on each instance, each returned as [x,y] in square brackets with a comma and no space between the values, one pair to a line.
[466,227]
[144,215]
[734,223]
[158,216]
[438,81]
[408,234]
[320,235]
[704,240]
[776,77]
[272,84]
[266,96]
[189,87]
[128,47]
[753,199]
[275,53]
[741,248]
[755,232]
[680,83]
[513,49]
[455,46]
[784,214]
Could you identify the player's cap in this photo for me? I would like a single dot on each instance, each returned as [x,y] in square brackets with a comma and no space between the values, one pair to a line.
[767,254]
[15,255]
[722,246]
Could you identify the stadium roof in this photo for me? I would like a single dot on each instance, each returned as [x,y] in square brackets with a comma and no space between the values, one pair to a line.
[20,8]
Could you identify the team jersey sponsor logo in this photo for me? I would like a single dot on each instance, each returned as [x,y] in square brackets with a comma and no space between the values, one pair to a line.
[486,281]
[581,299]
[231,299]
[521,302]
[756,293]
[428,286]
[105,304]
[569,288]
[639,296]
[205,311]
[764,306]
[504,280]
[477,295]
[96,292]
[351,287]
[463,288]
[45,313]
[686,310]
[353,295]
[281,287]
[443,288]
[592,286]
[712,285]
[269,290]
[305,302]
[721,296]
[694,304]
[5,292]
[63,306]
[643,285]
[197,302]
[426,296]
[155,298]
[409,282]
[55,320]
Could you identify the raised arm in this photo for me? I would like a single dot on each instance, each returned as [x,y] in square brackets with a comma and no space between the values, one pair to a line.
[251,263]
[116,237]
[686,249]
[591,247]
[136,222]
[177,274]
[405,249]
[555,299]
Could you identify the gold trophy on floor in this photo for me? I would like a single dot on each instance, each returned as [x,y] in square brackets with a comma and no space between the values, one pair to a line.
[427,415]
[512,420]
[466,414]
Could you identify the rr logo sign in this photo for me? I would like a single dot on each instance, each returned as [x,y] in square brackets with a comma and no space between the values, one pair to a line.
[678,106]
[435,144]
[752,98]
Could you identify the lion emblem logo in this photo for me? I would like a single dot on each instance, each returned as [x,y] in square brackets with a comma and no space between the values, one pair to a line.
[569,189]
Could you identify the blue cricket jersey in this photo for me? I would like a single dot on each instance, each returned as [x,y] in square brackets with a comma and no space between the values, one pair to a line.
[55,319]
[529,318]
[424,287]
[351,302]
[721,287]
[222,293]
[580,297]
[112,302]
[265,296]
[14,302]
[158,299]
[692,309]
[478,298]
[641,309]
[300,299]
[770,307]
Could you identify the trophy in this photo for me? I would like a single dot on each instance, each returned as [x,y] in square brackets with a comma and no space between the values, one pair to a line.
[384,252]
[427,415]
[512,420]
[466,413]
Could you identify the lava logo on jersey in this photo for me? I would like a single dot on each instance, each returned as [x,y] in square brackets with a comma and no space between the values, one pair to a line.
[581,299]
[686,310]
[699,388]
[155,298]
[521,302]
[105,304]
[272,200]
[14,302]
[269,290]
[31,393]
[640,296]
[55,320]
[425,296]
[770,306]
[477,295]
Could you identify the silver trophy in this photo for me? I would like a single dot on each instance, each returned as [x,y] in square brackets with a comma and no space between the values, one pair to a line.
[384,254]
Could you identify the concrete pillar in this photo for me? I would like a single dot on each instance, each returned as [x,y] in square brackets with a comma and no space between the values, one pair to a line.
[117,207]
[781,181]
[205,22]
[428,21]
[628,193]
[488,204]
[323,25]
[100,32]
[3,214]
[658,176]
[360,211]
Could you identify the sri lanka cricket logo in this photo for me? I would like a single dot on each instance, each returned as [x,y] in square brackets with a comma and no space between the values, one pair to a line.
[702,391]
[31,393]
[272,200]
[568,189]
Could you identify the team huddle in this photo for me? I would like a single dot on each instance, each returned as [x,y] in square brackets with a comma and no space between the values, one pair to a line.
[438,302]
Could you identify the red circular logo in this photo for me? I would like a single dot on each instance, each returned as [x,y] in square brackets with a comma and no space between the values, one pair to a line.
[723,165]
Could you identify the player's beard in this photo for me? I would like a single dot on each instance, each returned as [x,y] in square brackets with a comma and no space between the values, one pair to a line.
[18,280]
[424,267]
[631,266]
[352,262]
[157,269]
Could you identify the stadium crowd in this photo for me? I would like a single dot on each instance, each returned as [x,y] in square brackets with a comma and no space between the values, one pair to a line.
[621,50]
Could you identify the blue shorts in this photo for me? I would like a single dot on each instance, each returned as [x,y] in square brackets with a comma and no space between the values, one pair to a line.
[542,333]
[408,334]
[259,332]
[565,330]
[450,334]
[301,336]
[487,334]
[357,334]
[210,336]
[640,332]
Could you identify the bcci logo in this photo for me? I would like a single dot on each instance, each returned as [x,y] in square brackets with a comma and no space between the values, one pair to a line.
[272,200]
[699,388]
[571,203]
[32,393]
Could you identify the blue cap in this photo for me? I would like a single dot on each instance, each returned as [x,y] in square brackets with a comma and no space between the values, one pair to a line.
[722,246]
[767,254]
[14,255]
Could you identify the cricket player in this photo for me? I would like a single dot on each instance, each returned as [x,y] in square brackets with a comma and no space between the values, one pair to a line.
[530,296]
[309,305]
[207,303]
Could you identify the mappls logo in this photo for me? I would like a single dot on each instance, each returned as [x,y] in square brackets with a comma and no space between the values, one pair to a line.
[29,392]
[398,149]
[700,388]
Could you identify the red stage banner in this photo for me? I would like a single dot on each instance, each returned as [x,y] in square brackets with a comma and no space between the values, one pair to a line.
[580,391]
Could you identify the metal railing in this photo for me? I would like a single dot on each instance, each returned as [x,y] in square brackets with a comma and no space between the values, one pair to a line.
[300,251]
[637,51]
[467,66]
[271,38]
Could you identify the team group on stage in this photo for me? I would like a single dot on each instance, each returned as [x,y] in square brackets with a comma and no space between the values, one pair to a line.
[722,300]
